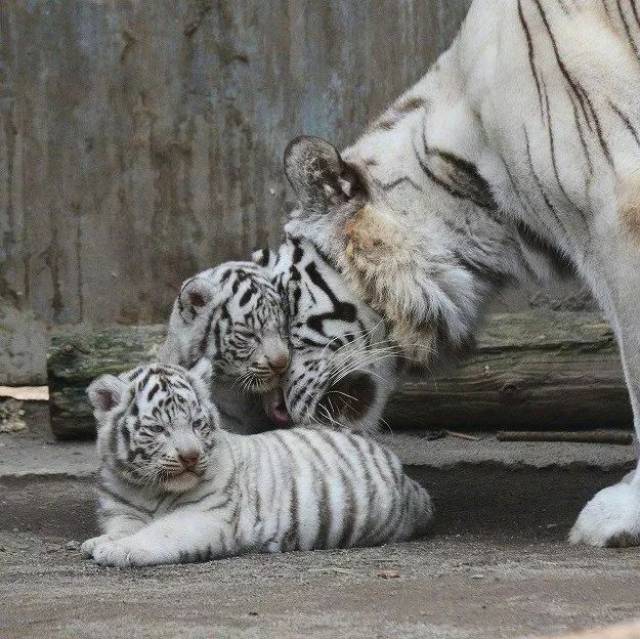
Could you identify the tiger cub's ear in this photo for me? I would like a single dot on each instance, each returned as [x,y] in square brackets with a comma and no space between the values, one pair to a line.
[318,175]
[261,256]
[265,257]
[105,392]
[194,296]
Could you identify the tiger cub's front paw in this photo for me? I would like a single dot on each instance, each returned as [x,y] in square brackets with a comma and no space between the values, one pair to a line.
[123,554]
[90,545]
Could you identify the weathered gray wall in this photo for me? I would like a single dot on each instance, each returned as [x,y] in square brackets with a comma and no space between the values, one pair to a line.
[141,141]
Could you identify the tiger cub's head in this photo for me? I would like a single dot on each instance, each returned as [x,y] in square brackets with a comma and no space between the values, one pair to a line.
[156,425]
[233,316]
[343,368]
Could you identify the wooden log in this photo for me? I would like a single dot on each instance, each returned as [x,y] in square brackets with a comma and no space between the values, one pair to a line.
[77,355]
[622,437]
[529,371]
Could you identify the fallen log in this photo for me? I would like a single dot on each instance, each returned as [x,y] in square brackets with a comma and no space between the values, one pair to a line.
[530,371]
[621,437]
[77,355]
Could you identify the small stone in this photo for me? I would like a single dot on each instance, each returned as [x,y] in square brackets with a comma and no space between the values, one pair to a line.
[252,613]
[434,434]
[72,545]
[388,574]
[477,576]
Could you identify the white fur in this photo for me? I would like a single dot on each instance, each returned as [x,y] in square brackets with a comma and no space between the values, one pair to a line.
[327,356]
[288,490]
[525,147]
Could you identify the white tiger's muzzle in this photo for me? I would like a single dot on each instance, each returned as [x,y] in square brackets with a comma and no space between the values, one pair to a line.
[348,401]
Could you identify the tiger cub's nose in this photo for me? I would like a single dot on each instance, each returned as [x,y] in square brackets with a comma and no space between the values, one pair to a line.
[189,458]
[278,363]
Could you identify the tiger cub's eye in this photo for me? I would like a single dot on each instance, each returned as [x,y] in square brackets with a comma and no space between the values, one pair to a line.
[155,428]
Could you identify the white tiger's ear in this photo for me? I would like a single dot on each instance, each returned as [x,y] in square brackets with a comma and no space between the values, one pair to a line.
[318,175]
[194,296]
[202,372]
[105,392]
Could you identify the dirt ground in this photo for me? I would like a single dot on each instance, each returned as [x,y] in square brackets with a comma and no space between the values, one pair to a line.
[497,564]
[462,586]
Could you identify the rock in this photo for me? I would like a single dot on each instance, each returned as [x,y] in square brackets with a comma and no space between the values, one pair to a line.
[23,348]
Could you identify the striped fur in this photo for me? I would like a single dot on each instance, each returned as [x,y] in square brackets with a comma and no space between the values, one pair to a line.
[298,489]
[342,368]
[233,316]
[517,154]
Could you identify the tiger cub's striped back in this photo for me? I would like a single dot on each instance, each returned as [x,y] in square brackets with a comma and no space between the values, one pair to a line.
[175,487]
[335,490]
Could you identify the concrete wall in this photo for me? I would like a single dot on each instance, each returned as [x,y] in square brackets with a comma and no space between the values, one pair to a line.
[141,141]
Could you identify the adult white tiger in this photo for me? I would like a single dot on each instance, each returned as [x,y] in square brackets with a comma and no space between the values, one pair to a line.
[174,487]
[517,152]
[342,367]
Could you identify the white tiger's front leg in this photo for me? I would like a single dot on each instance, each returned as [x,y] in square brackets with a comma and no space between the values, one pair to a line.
[180,537]
[612,517]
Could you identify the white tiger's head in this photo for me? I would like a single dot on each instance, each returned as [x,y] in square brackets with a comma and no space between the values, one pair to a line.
[413,228]
[233,316]
[342,368]
[156,425]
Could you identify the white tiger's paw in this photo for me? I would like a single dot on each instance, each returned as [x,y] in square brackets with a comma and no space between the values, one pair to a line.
[611,519]
[89,546]
[122,554]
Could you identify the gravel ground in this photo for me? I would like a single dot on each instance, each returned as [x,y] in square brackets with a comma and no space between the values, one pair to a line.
[497,564]
[473,586]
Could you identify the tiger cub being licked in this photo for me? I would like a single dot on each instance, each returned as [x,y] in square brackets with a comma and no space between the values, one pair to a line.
[174,487]
[233,316]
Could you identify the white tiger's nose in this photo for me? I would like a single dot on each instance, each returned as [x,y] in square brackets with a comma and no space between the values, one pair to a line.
[189,458]
[278,363]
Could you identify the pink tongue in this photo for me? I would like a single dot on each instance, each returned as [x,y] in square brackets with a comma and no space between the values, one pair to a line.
[275,408]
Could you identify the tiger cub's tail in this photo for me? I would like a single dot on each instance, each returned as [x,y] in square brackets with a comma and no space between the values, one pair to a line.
[419,508]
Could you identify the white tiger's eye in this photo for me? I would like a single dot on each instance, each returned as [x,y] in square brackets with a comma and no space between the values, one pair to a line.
[200,424]
[155,428]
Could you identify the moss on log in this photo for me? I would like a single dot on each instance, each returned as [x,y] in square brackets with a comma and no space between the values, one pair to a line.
[529,371]
[77,355]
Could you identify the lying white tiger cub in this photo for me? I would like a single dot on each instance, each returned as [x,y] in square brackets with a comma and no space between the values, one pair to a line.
[176,488]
